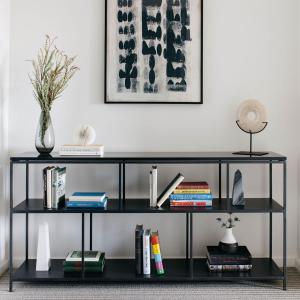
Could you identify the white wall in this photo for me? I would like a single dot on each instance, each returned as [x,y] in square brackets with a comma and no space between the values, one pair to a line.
[250,50]
[4,94]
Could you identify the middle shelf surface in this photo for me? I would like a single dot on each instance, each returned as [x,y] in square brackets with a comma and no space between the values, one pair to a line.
[253,205]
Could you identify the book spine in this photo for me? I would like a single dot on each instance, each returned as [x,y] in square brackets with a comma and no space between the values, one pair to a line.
[61,187]
[49,188]
[192,191]
[157,254]
[138,251]
[230,260]
[45,186]
[229,267]
[146,255]
[91,199]
[86,269]
[154,187]
[191,186]
[191,203]
[151,188]
[86,204]
[190,197]
[54,200]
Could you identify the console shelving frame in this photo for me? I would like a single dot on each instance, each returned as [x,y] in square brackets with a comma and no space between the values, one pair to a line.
[186,269]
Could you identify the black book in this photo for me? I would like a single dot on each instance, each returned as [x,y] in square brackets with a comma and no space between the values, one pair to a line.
[139,249]
[216,256]
[169,189]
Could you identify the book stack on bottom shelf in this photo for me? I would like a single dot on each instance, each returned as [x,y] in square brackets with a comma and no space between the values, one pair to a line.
[94,262]
[147,243]
[219,261]
[191,194]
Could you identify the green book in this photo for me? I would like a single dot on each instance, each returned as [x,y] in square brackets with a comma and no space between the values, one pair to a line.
[98,263]
[87,269]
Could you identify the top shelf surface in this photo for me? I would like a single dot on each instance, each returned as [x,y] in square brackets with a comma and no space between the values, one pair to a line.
[147,157]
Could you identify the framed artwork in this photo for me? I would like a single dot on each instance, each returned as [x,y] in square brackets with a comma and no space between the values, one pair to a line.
[154,51]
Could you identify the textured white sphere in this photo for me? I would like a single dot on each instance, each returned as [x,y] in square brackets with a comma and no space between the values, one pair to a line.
[85,135]
[251,116]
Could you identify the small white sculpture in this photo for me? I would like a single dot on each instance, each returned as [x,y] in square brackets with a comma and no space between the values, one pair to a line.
[85,135]
[43,249]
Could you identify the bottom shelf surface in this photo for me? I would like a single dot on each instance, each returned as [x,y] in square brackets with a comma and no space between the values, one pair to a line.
[123,270]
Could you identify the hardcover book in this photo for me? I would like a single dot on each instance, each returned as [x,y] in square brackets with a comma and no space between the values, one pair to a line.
[139,249]
[193,185]
[146,252]
[88,196]
[88,256]
[191,197]
[87,204]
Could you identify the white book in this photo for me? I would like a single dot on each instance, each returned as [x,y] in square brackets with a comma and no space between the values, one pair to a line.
[146,252]
[88,256]
[151,188]
[77,150]
[49,187]
[169,189]
[154,186]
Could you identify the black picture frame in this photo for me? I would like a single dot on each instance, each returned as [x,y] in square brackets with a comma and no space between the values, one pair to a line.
[153,102]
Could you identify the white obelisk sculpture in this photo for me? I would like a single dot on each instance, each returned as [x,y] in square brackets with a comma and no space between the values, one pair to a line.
[43,249]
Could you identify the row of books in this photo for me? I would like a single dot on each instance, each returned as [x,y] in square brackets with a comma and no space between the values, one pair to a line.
[54,180]
[87,200]
[191,194]
[218,260]
[147,243]
[94,261]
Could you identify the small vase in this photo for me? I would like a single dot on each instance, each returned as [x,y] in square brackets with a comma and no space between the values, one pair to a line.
[44,138]
[228,243]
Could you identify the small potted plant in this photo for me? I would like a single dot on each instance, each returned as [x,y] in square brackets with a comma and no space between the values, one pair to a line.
[52,70]
[228,243]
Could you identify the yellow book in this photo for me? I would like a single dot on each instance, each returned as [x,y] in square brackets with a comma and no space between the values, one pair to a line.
[192,191]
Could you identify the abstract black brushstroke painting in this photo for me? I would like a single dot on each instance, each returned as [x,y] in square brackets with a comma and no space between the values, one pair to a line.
[154,51]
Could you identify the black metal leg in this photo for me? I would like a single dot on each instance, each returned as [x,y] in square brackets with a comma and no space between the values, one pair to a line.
[191,246]
[271,215]
[227,186]
[91,231]
[284,225]
[82,246]
[124,183]
[120,186]
[187,237]
[27,216]
[220,182]
[11,230]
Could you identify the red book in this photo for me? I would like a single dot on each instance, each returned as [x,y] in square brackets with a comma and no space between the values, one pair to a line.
[190,203]
[193,185]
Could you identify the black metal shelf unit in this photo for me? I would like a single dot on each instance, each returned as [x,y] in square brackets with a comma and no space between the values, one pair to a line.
[186,269]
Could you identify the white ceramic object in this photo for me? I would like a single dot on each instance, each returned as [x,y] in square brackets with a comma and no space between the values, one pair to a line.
[85,135]
[251,116]
[228,237]
[43,250]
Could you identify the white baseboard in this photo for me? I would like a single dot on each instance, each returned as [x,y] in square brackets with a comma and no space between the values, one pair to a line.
[4,267]
[297,264]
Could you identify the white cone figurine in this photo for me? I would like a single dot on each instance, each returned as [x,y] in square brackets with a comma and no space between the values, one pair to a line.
[43,249]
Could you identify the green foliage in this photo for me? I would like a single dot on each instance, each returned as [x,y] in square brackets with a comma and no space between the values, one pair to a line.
[52,70]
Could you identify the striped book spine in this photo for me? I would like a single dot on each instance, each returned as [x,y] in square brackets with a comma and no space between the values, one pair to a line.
[157,254]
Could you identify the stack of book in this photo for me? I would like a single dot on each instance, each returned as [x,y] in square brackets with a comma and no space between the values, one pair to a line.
[191,194]
[145,244]
[94,261]
[81,150]
[87,200]
[54,187]
[218,260]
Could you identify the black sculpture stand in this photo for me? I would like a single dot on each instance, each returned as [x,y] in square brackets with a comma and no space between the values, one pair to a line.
[251,153]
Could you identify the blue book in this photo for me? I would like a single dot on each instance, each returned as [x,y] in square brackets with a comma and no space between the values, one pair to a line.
[87,196]
[86,204]
[191,197]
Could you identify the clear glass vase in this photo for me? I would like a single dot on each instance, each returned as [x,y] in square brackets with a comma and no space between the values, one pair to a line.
[44,138]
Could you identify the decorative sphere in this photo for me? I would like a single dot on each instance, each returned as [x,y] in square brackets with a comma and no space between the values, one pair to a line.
[85,135]
[251,116]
